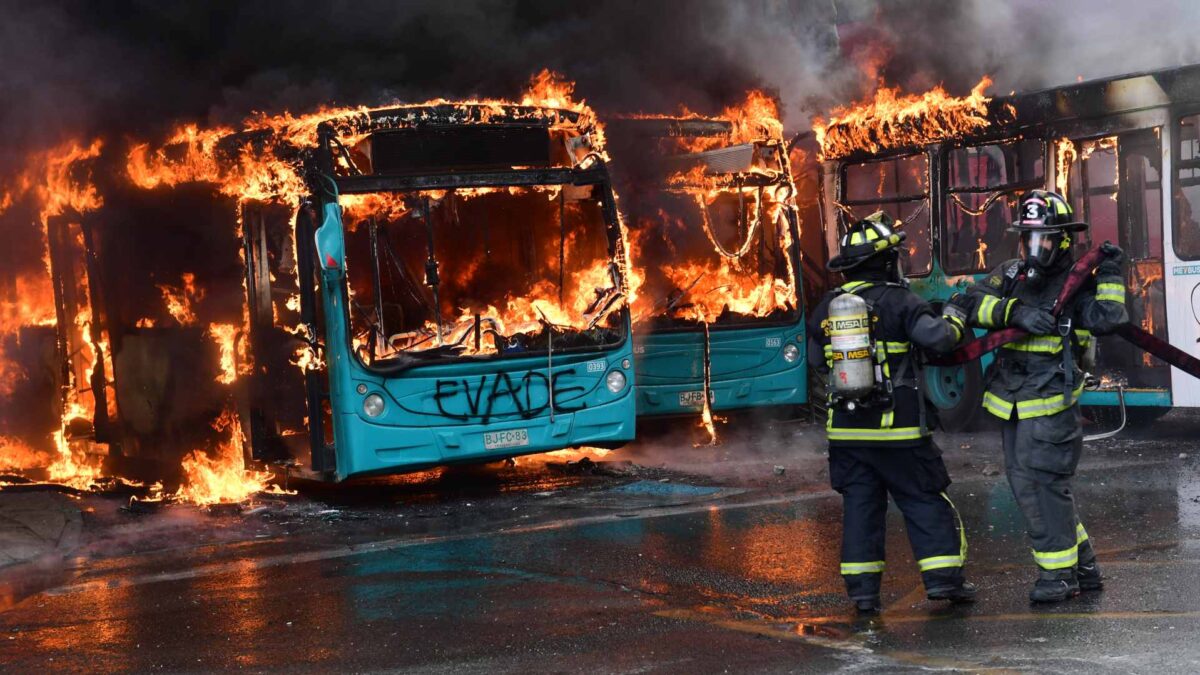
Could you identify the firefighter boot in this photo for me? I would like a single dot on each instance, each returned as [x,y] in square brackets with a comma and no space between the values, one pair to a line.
[869,605]
[1089,577]
[1055,586]
[962,592]
[948,584]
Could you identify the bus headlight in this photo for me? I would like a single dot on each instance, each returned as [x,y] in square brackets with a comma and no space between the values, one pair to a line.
[373,405]
[615,381]
[791,352]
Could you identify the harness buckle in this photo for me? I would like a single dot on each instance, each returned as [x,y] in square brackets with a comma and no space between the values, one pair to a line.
[1064,327]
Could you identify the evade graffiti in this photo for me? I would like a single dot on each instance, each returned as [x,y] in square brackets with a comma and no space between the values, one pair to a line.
[529,395]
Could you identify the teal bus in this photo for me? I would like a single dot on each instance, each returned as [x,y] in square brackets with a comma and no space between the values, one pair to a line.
[468,289]
[1124,150]
[713,230]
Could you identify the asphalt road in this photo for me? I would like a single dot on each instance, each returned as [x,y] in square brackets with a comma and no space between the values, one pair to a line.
[691,560]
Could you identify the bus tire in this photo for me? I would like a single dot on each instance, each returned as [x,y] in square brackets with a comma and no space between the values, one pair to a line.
[956,393]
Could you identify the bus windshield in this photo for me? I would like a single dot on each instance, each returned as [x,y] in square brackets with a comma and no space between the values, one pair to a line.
[480,272]
[717,256]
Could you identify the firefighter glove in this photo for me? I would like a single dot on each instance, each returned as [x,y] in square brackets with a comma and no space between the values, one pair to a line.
[957,308]
[1108,268]
[1112,252]
[1036,321]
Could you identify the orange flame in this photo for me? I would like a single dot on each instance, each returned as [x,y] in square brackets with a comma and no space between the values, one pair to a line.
[225,334]
[221,477]
[893,120]
[15,455]
[180,299]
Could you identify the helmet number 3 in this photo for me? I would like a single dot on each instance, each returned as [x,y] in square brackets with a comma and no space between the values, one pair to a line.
[1031,211]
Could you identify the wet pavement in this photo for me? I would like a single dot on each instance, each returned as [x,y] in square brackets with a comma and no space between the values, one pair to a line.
[661,558]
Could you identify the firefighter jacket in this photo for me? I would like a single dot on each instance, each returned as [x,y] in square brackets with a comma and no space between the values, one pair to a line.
[1040,375]
[901,319]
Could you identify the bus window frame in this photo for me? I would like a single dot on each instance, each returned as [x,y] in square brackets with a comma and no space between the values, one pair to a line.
[402,362]
[1176,184]
[1001,191]
[927,197]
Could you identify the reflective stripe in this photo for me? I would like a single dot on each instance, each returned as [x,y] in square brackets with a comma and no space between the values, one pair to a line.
[986,307]
[1040,407]
[997,406]
[1110,292]
[1057,560]
[958,326]
[1084,336]
[1081,534]
[1050,344]
[940,561]
[889,418]
[851,285]
[897,434]
[1008,309]
[874,567]
[896,347]
[1111,297]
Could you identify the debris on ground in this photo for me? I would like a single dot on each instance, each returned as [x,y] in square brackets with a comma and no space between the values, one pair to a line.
[990,469]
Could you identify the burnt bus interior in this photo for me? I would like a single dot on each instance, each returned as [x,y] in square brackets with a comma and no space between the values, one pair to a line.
[707,223]
[148,296]
[1099,142]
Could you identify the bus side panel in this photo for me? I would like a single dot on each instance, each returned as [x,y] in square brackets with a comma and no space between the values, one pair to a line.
[480,411]
[1183,285]
[747,368]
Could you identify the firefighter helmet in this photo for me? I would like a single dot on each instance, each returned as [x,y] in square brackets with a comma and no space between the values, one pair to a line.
[867,238]
[1045,221]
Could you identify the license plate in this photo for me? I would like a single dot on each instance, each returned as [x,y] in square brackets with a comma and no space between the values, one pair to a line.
[512,438]
[691,398]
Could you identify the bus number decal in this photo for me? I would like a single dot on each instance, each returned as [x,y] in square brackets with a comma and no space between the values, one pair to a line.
[774,342]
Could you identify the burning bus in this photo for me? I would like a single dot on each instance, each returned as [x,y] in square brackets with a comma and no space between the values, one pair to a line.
[713,225]
[1124,151]
[359,292]
[472,287]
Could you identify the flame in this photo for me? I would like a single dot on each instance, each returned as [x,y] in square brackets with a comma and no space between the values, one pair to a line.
[1064,155]
[225,335]
[221,477]
[15,455]
[180,299]
[57,183]
[893,120]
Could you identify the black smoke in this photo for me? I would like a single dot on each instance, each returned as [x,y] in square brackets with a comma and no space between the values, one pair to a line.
[133,69]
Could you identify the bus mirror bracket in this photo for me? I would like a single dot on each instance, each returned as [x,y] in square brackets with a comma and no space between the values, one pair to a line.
[330,243]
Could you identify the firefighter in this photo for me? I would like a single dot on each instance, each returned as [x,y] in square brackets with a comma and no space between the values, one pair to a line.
[1035,382]
[879,443]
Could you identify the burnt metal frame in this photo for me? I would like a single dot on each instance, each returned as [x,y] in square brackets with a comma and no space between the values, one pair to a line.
[60,252]
[944,170]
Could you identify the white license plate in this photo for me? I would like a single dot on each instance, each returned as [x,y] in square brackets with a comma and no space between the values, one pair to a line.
[513,438]
[691,398]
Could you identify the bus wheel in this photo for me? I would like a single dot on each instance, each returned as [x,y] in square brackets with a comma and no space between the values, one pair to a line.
[1109,416]
[956,392]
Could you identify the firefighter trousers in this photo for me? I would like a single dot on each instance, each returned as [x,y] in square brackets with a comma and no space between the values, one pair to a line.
[1040,456]
[916,478]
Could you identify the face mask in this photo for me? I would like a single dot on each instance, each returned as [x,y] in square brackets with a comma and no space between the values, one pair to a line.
[1041,249]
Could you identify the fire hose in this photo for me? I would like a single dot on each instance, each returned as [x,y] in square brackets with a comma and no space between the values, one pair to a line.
[1076,278]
